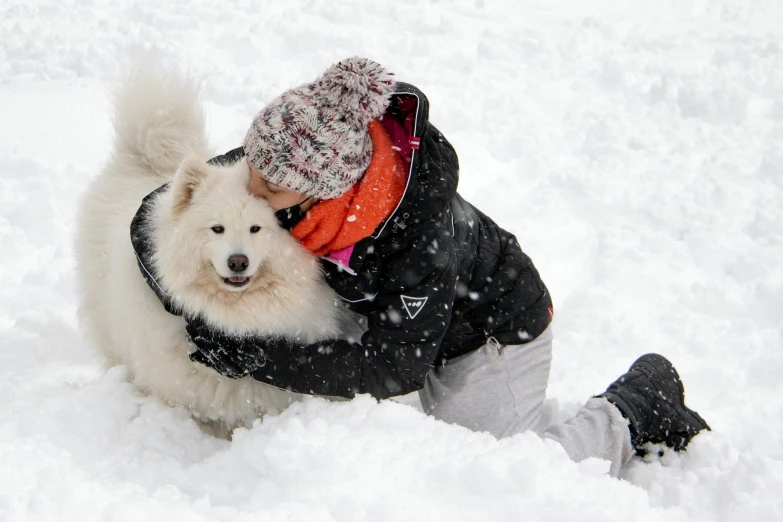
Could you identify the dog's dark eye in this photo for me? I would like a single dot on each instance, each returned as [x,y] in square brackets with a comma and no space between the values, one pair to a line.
[218,229]
[254,229]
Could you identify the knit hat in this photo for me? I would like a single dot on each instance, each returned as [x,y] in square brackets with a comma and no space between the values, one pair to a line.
[314,139]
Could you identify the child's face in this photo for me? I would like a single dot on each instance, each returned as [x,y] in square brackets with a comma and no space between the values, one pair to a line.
[276,196]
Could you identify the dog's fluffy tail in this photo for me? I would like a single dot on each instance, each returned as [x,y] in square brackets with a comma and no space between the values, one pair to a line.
[158,119]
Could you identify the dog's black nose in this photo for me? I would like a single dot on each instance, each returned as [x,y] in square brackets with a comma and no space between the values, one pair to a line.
[238,263]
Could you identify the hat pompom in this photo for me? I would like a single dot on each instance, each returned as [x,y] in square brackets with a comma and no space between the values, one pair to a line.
[357,87]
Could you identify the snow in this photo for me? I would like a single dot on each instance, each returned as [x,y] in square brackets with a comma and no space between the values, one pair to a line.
[635,148]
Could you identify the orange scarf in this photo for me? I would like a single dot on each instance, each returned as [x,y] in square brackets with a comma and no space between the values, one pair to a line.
[335,224]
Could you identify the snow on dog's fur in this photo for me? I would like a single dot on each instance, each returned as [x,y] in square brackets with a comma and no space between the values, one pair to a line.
[206,228]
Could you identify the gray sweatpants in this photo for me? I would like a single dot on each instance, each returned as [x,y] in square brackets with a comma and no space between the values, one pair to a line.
[501,389]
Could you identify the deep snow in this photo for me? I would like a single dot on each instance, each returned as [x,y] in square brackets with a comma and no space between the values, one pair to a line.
[635,148]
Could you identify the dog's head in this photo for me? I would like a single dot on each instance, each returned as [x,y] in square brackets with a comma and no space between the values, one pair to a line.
[214,237]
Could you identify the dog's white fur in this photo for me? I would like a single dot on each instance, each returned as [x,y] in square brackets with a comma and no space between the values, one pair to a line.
[158,123]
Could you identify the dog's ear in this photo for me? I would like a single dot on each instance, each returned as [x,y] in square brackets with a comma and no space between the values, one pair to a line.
[192,171]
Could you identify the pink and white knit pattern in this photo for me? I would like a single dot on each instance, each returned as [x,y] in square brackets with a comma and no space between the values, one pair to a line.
[314,139]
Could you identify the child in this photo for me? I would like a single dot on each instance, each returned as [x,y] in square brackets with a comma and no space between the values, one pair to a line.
[455,310]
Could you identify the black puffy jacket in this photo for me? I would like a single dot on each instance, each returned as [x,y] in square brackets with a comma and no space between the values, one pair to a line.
[435,281]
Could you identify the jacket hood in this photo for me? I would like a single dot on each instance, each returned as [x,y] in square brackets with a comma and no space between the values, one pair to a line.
[433,164]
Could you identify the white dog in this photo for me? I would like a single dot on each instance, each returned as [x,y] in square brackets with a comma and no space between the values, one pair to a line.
[219,253]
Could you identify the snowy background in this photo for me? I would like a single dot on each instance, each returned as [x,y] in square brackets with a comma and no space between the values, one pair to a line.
[634,147]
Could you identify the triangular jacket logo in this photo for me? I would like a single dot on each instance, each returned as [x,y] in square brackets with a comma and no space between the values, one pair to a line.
[413,305]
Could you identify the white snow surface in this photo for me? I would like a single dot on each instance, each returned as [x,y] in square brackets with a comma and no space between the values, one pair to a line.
[635,148]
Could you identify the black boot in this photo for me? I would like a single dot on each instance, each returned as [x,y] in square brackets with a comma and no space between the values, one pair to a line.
[652,398]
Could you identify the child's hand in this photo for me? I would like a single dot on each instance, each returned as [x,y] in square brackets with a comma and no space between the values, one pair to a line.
[231,356]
